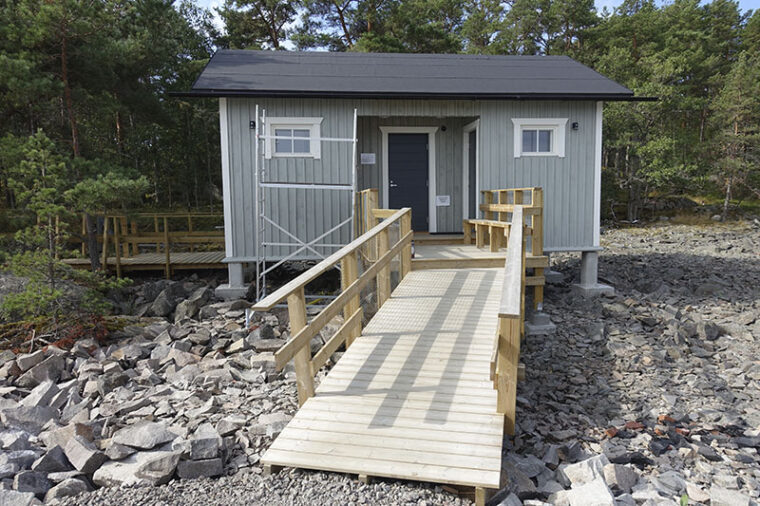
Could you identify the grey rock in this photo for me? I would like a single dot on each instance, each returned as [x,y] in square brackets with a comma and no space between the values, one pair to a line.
[696,493]
[584,471]
[29,360]
[31,481]
[619,477]
[29,419]
[189,307]
[49,369]
[720,496]
[116,451]
[14,439]
[205,444]
[54,461]
[13,498]
[67,488]
[143,468]
[144,435]
[274,423]
[41,395]
[519,483]
[21,458]
[164,304]
[591,493]
[84,455]
[8,470]
[191,469]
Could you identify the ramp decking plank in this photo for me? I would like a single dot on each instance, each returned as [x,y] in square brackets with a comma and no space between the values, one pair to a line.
[412,397]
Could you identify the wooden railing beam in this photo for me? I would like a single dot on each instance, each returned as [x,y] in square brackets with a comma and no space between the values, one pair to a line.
[297,341]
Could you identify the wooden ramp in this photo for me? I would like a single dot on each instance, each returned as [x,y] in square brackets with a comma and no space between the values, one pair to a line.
[412,397]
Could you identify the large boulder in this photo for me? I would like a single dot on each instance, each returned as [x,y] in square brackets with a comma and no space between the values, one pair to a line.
[84,455]
[67,488]
[189,307]
[144,435]
[29,419]
[143,468]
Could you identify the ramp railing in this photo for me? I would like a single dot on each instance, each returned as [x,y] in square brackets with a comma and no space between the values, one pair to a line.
[506,352]
[298,348]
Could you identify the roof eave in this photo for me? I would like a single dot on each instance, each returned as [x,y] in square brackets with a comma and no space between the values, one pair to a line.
[607,97]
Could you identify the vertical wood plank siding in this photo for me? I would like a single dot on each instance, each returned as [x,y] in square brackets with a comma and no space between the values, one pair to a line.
[568,182]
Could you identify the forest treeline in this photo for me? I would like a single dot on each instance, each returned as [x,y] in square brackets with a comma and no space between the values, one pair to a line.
[85,87]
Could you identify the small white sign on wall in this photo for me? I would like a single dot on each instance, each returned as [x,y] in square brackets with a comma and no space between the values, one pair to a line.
[367,158]
[442,200]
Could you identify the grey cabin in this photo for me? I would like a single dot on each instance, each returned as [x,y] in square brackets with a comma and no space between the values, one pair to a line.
[302,132]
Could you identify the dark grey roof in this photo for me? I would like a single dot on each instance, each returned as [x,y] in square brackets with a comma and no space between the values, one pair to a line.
[323,74]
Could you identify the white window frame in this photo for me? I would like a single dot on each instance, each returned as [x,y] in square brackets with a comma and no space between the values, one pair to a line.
[313,125]
[556,125]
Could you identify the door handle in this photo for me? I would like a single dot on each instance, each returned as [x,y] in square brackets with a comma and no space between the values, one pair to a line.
[393,185]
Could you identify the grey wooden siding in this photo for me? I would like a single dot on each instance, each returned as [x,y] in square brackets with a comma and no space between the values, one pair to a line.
[568,182]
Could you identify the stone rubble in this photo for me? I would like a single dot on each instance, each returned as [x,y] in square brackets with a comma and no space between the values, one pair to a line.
[636,399]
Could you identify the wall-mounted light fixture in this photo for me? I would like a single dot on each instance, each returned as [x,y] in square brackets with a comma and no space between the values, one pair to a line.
[575,125]
[252,125]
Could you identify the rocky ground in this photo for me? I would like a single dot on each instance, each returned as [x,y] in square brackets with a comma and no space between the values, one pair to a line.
[636,399]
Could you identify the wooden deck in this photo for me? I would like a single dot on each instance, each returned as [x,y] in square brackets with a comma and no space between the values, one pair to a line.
[157,261]
[455,256]
[412,397]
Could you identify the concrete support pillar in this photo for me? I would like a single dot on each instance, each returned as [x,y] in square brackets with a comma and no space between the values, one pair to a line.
[589,285]
[236,287]
[552,277]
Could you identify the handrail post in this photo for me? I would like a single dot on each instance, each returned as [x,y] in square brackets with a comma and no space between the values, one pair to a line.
[507,362]
[349,274]
[104,262]
[383,276]
[155,230]
[406,252]
[488,200]
[537,243]
[302,359]
[84,234]
[167,255]
[117,245]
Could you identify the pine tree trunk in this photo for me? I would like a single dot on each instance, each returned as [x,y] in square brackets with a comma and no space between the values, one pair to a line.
[727,199]
[92,240]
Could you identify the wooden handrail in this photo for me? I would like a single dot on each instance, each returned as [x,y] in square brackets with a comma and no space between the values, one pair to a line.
[289,350]
[511,293]
[298,347]
[506,351]
[307,277]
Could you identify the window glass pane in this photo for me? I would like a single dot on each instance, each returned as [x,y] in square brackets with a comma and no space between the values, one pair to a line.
[529,141]
[283,146]
[301,133]
[300,146]
[544,141]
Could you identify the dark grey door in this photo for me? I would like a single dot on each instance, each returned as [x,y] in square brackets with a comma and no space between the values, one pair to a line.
[408,176]
[473,197]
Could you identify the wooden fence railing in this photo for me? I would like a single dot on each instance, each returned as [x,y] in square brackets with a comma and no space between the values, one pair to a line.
[124,235]
[506,352]
[298,347]
[493,229]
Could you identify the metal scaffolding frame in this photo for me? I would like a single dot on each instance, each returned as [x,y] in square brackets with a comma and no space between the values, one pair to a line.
[264,222]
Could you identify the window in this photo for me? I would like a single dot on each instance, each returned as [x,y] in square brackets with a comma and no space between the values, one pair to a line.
[539,137]
[293,137]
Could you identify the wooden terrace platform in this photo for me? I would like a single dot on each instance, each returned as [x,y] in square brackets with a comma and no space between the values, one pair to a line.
[412,397]
[157,261]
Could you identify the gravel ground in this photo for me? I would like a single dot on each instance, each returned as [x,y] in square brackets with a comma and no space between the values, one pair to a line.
[662,380]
